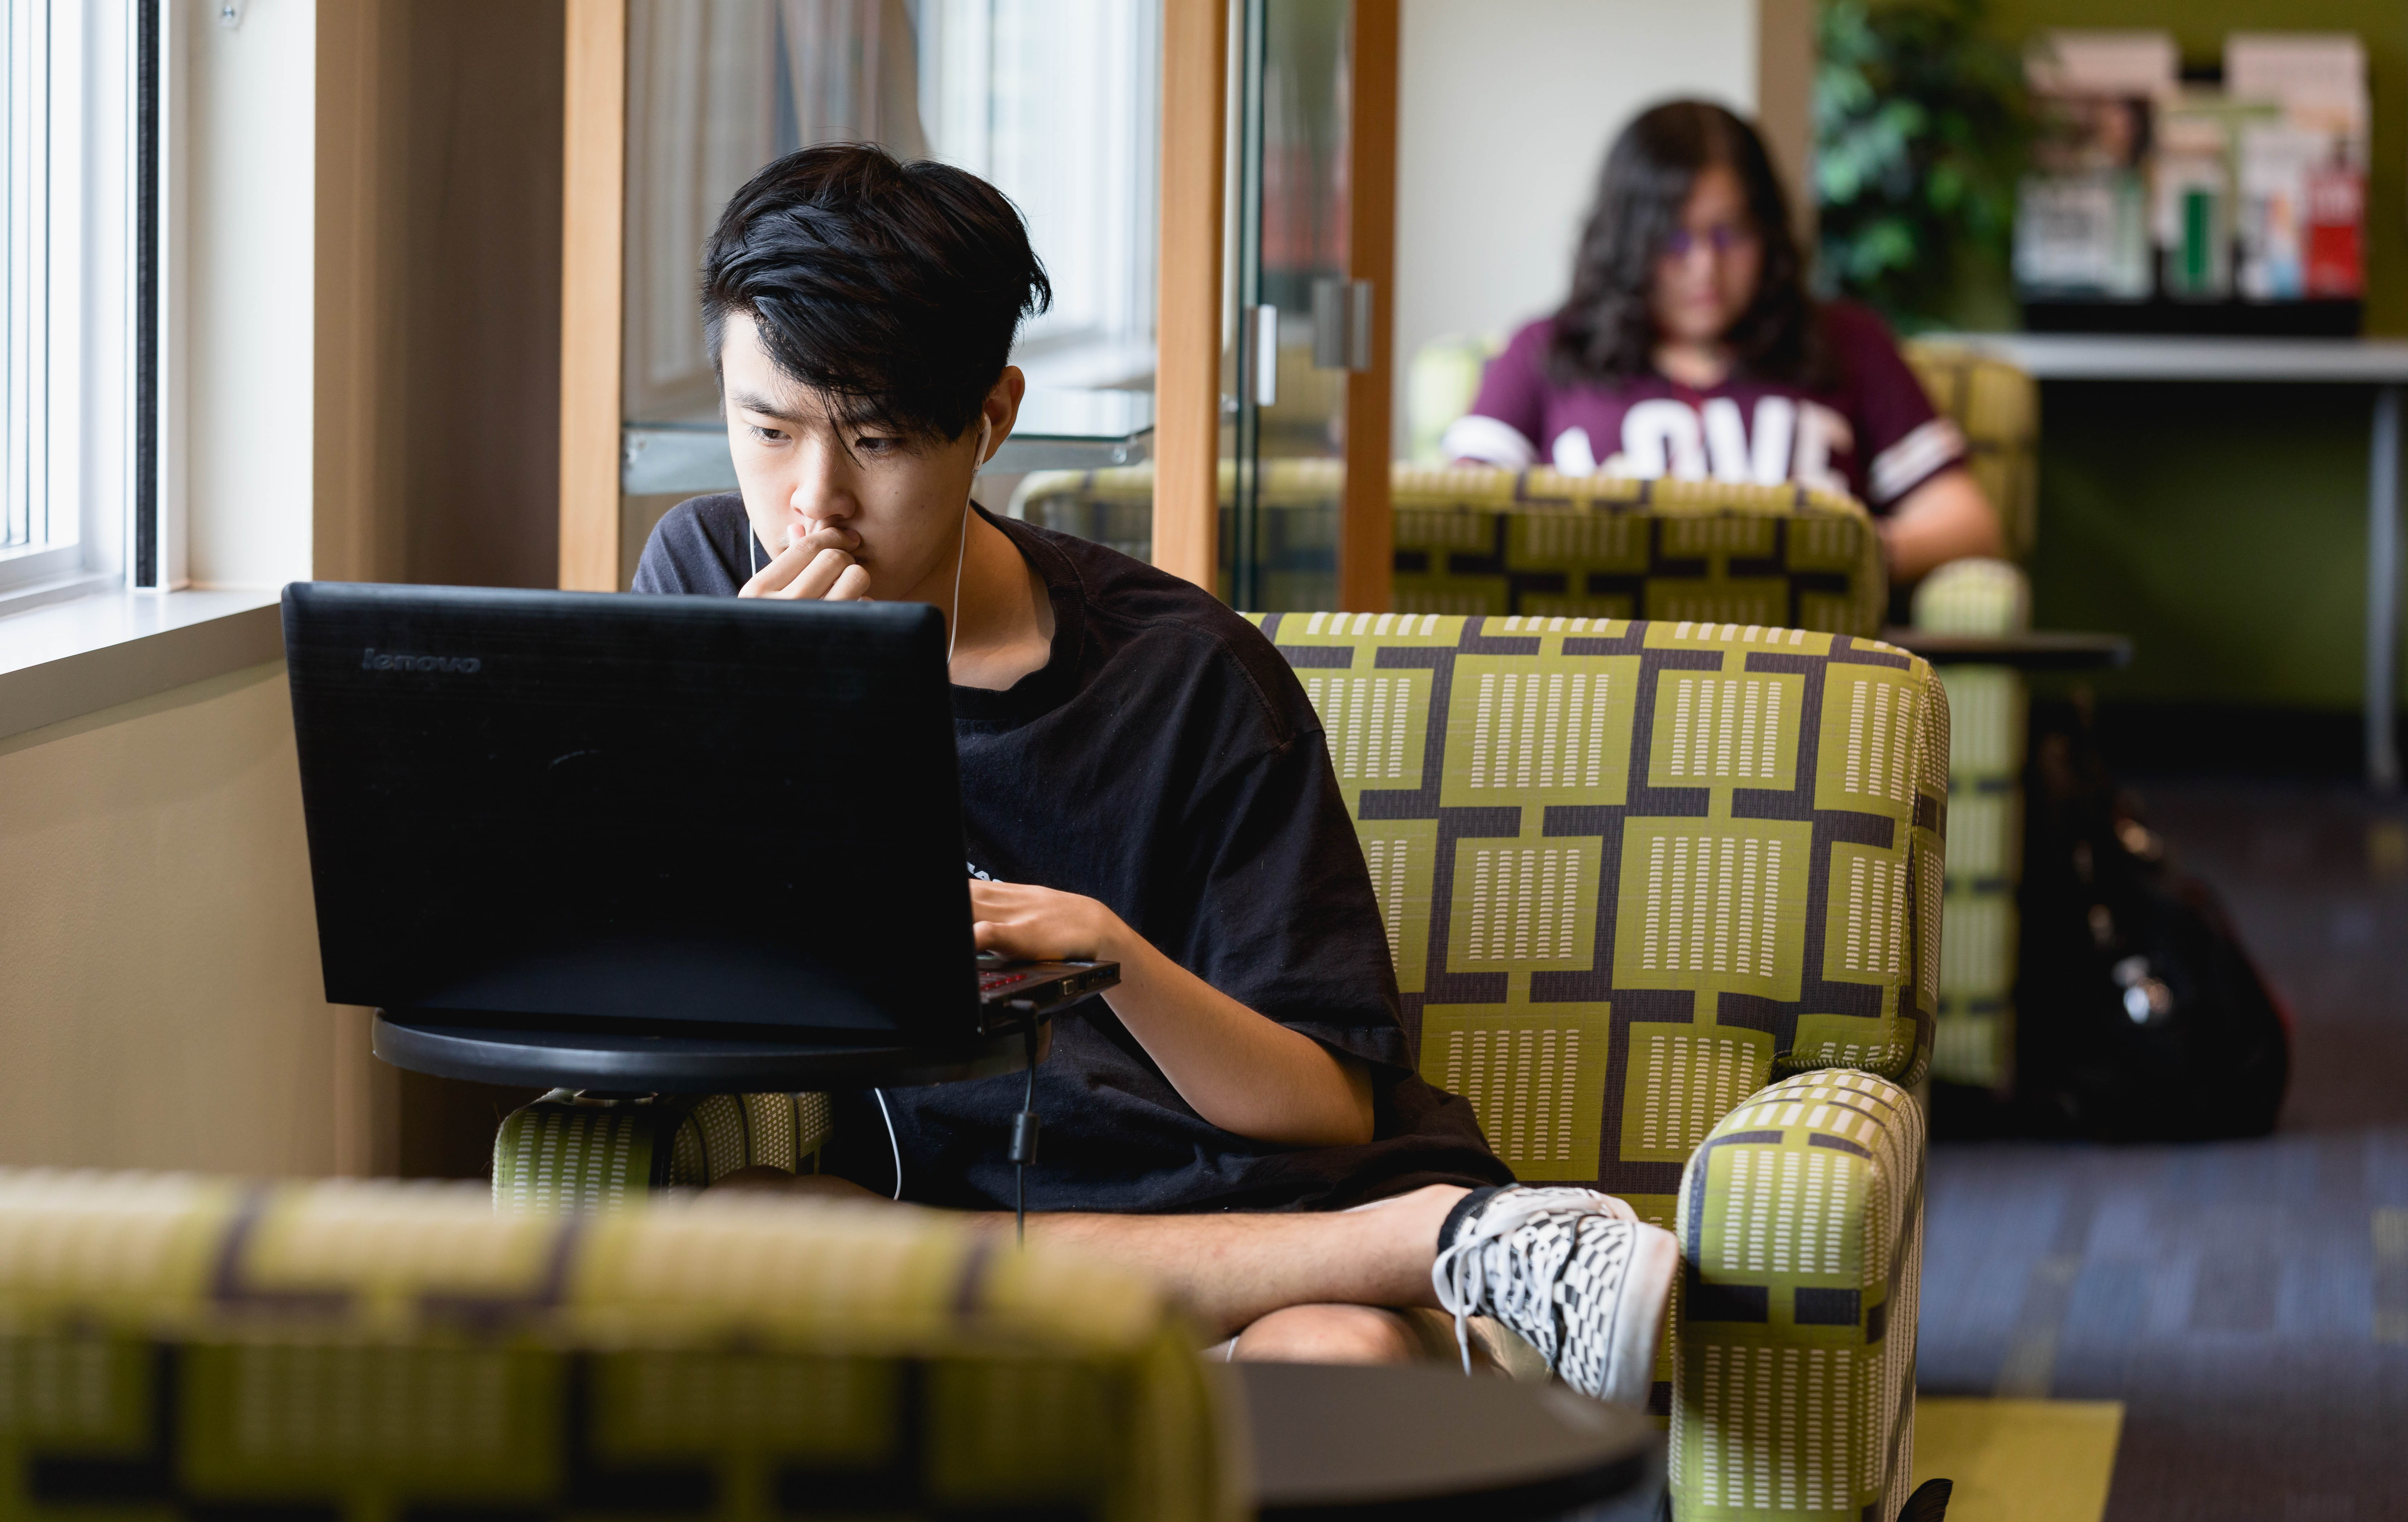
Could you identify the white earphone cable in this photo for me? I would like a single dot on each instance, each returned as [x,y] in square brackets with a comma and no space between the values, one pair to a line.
[890,1140]
[961,551]
[954,619]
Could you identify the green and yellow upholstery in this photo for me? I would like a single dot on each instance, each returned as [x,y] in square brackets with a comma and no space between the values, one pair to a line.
[1974,1045]
[184,1346]
[1995,405]
[1297,539]
[1476,541]
[1533,542]
[1801,1246]
[1632,873]
[568,1151]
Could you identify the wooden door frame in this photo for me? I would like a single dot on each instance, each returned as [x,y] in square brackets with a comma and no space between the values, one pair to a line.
[1187,286]
[1188,329]
[1366,517]
[593,262]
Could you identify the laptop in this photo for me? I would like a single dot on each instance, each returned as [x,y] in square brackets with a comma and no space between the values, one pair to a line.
[646,815]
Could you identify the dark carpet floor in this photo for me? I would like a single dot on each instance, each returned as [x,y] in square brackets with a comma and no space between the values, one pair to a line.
[2247,1301]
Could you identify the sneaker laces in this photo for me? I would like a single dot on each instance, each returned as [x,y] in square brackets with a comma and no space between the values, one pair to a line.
[1526,1299]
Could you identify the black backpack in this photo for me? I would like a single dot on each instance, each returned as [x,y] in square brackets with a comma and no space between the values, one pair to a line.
[2139,1016]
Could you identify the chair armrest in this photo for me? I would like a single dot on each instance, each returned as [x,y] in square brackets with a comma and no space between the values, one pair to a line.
[1800,1223]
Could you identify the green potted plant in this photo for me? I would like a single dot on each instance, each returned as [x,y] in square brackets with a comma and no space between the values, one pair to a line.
[1922,128]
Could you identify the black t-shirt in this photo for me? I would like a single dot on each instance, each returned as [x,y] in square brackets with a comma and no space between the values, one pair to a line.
[1165,761]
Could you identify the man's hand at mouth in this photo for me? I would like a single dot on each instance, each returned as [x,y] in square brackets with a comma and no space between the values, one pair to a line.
[815,567]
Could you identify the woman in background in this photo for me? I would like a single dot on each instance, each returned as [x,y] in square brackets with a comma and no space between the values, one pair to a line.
[1690,348]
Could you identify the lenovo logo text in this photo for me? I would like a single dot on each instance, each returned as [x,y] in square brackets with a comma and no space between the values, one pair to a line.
[376,660]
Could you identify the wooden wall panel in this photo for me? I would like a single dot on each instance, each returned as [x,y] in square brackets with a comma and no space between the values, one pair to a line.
[1187,376]
[479,292]
[593,156]
[358,529]
[438,340]
[1784,100]
[1366,522]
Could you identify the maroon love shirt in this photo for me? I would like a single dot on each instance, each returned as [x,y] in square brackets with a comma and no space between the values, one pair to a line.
[1873,434]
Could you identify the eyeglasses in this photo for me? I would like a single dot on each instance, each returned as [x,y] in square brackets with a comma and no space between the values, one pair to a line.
[1722,237]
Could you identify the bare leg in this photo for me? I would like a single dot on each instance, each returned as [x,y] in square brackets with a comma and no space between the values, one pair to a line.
[1324,1334]
[767,1180]
[1232,1270]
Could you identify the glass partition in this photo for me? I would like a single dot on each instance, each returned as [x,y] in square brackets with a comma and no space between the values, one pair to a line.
[1295,305]
[1053,101]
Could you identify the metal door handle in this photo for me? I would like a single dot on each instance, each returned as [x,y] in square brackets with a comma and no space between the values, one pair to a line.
[1266,356]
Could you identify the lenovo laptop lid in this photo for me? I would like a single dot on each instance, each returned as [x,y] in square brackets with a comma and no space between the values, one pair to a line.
[566,807]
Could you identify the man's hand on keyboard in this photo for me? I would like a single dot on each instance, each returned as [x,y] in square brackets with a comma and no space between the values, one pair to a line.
[1242,1071]
[1040,925]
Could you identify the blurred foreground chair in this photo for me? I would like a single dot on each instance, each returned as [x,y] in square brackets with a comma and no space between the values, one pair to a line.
[175,1345]
[1505,542]
[1665,904]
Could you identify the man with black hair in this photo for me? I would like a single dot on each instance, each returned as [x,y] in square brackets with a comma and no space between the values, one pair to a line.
[1143,780]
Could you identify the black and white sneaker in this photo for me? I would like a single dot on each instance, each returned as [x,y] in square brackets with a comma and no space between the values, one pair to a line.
[1572,1271]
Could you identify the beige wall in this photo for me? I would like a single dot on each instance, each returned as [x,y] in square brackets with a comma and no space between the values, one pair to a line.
[161,1006]
[241,275]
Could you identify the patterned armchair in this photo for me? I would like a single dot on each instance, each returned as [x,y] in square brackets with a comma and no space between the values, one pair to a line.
[1502,542]
[1665,900]
[1994,403]
[1991,400]
[183,1346]
[1297,537]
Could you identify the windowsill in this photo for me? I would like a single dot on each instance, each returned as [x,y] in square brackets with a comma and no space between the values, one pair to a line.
[63,660]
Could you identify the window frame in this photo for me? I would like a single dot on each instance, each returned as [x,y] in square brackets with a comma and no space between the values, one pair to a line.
[1100,231]
[99,113]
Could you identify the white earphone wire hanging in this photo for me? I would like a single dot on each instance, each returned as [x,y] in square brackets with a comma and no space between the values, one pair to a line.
[961,549]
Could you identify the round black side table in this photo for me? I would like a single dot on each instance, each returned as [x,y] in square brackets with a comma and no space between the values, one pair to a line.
[1401,1443]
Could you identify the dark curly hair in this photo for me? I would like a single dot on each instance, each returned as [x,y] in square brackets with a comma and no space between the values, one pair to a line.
[894,290]
[1605,331]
